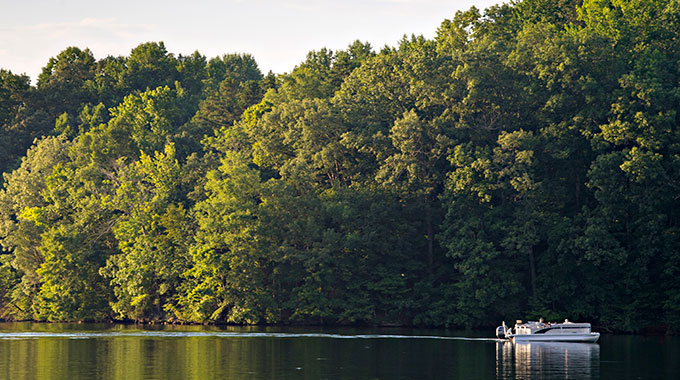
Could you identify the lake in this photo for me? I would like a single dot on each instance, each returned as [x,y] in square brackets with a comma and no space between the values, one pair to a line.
[102,351]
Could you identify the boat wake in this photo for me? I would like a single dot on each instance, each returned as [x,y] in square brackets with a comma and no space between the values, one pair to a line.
[217,334]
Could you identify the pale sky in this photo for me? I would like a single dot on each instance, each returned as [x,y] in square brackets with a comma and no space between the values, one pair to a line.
[277,33]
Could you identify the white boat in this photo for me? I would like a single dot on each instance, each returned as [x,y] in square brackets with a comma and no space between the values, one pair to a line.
[548,332]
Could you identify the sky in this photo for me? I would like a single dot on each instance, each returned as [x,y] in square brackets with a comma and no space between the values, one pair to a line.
[277,33]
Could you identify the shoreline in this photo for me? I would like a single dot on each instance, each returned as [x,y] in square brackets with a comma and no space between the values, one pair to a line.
[648,332]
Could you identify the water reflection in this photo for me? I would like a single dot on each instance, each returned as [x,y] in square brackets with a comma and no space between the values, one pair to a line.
[547,360]
[119,352]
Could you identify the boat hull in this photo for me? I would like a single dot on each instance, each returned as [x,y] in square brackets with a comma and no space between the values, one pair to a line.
[589,338]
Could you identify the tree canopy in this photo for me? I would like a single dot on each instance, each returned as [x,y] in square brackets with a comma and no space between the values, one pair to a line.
[523,163]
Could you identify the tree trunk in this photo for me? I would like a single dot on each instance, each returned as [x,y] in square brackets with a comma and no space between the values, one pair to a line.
[430,237]
[532,267]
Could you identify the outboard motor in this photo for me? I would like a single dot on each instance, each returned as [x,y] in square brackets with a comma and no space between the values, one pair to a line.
[501,331]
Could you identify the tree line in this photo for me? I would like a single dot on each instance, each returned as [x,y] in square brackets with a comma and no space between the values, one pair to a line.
[523,163]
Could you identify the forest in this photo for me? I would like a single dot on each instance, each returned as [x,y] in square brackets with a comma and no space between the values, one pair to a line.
[523,163]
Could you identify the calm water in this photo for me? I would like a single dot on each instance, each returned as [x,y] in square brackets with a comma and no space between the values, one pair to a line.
[67,351]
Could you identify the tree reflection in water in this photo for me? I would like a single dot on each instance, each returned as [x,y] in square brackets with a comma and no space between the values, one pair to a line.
[547,360]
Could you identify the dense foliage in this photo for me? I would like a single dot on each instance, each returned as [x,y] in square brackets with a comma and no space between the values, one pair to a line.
[523,163]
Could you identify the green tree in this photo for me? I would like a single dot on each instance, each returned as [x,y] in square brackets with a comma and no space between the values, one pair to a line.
[239,68]
[17,135]
[152,234]
[149,66]
[226,278]
[63,82]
